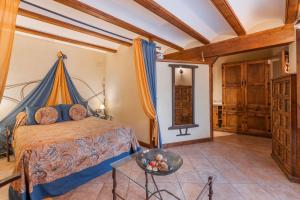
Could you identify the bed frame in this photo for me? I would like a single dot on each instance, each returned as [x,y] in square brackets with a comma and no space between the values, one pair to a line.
[8,144]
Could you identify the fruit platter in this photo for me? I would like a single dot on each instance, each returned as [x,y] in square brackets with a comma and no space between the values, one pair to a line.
[159,161]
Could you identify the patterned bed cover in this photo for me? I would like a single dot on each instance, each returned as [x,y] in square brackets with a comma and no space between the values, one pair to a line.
[48,154]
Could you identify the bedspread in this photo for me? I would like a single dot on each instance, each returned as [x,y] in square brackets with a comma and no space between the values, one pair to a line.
[45,153]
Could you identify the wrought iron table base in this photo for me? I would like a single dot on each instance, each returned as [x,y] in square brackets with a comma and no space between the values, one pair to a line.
[158,191]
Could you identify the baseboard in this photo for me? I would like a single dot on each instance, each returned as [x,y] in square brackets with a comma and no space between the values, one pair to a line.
[143,144]
[174,144]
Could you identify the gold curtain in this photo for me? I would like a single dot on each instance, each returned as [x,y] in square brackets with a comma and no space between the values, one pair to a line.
[143,86]
[8,15]
[59,85]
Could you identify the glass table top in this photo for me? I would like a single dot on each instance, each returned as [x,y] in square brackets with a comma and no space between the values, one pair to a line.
[164,162]
[130,172]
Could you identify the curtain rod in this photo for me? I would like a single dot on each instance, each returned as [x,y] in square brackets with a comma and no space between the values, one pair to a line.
[75,20]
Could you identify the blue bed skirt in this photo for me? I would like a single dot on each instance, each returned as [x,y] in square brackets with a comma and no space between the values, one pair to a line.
[65,184]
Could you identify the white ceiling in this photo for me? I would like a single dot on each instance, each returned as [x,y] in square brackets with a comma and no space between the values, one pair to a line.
[258,15]
[201,15]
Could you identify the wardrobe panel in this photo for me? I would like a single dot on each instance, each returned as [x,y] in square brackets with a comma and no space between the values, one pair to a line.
[246,90]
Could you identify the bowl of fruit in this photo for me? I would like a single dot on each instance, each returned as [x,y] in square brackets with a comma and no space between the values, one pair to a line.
[159,162]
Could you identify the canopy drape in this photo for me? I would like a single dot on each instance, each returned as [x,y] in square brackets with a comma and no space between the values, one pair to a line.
[8,15]
[57,83]
[60,85]
[145,64]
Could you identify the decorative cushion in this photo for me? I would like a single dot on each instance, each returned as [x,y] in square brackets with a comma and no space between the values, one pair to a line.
[46,115]
[30,111]
[77,112]
[21,119]
[65,111]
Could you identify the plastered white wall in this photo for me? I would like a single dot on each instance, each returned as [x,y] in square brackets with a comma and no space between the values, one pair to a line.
[122,97]
[164,104]
[32,58]
[184,78]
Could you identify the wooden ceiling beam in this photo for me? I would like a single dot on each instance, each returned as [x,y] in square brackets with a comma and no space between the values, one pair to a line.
[229,15]
[63,39]
[172,19]
[75,4]
[291,11]
[69,26]
[260,40]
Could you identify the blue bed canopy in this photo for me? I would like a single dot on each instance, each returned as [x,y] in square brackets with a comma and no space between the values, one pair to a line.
[56,87]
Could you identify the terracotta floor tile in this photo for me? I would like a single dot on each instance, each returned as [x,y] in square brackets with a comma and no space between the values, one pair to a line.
[91,188]
[219,178]
[192,190]
[225,192]
[163,179]
[262,177]
[66,196]
[236,176]
[83,195]
[241,164]
[172,187]
[135,192]
[186,166]
[220,163]
[202,164]
[189,177]
[105,192]
[282,192]
[253,192]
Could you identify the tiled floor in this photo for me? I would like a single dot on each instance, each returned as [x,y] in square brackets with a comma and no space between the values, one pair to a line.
[242,165]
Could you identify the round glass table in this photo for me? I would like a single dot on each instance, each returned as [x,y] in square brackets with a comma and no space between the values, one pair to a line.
[141,159]
[172,162]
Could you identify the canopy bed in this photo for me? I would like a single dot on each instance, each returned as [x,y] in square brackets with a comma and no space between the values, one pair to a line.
[61,156]
[57,144]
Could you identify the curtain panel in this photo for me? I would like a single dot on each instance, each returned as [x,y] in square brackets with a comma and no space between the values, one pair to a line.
[145,64]
[8,15]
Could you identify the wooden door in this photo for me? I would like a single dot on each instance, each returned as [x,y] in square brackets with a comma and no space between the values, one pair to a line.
[233,97]
[256,86]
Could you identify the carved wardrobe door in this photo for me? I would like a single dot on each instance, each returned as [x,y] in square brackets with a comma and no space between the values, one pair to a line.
[256,86]
[232,97]
[285,140]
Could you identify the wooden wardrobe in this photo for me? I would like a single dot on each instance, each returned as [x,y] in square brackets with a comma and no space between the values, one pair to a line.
[246,98]
[285,140]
